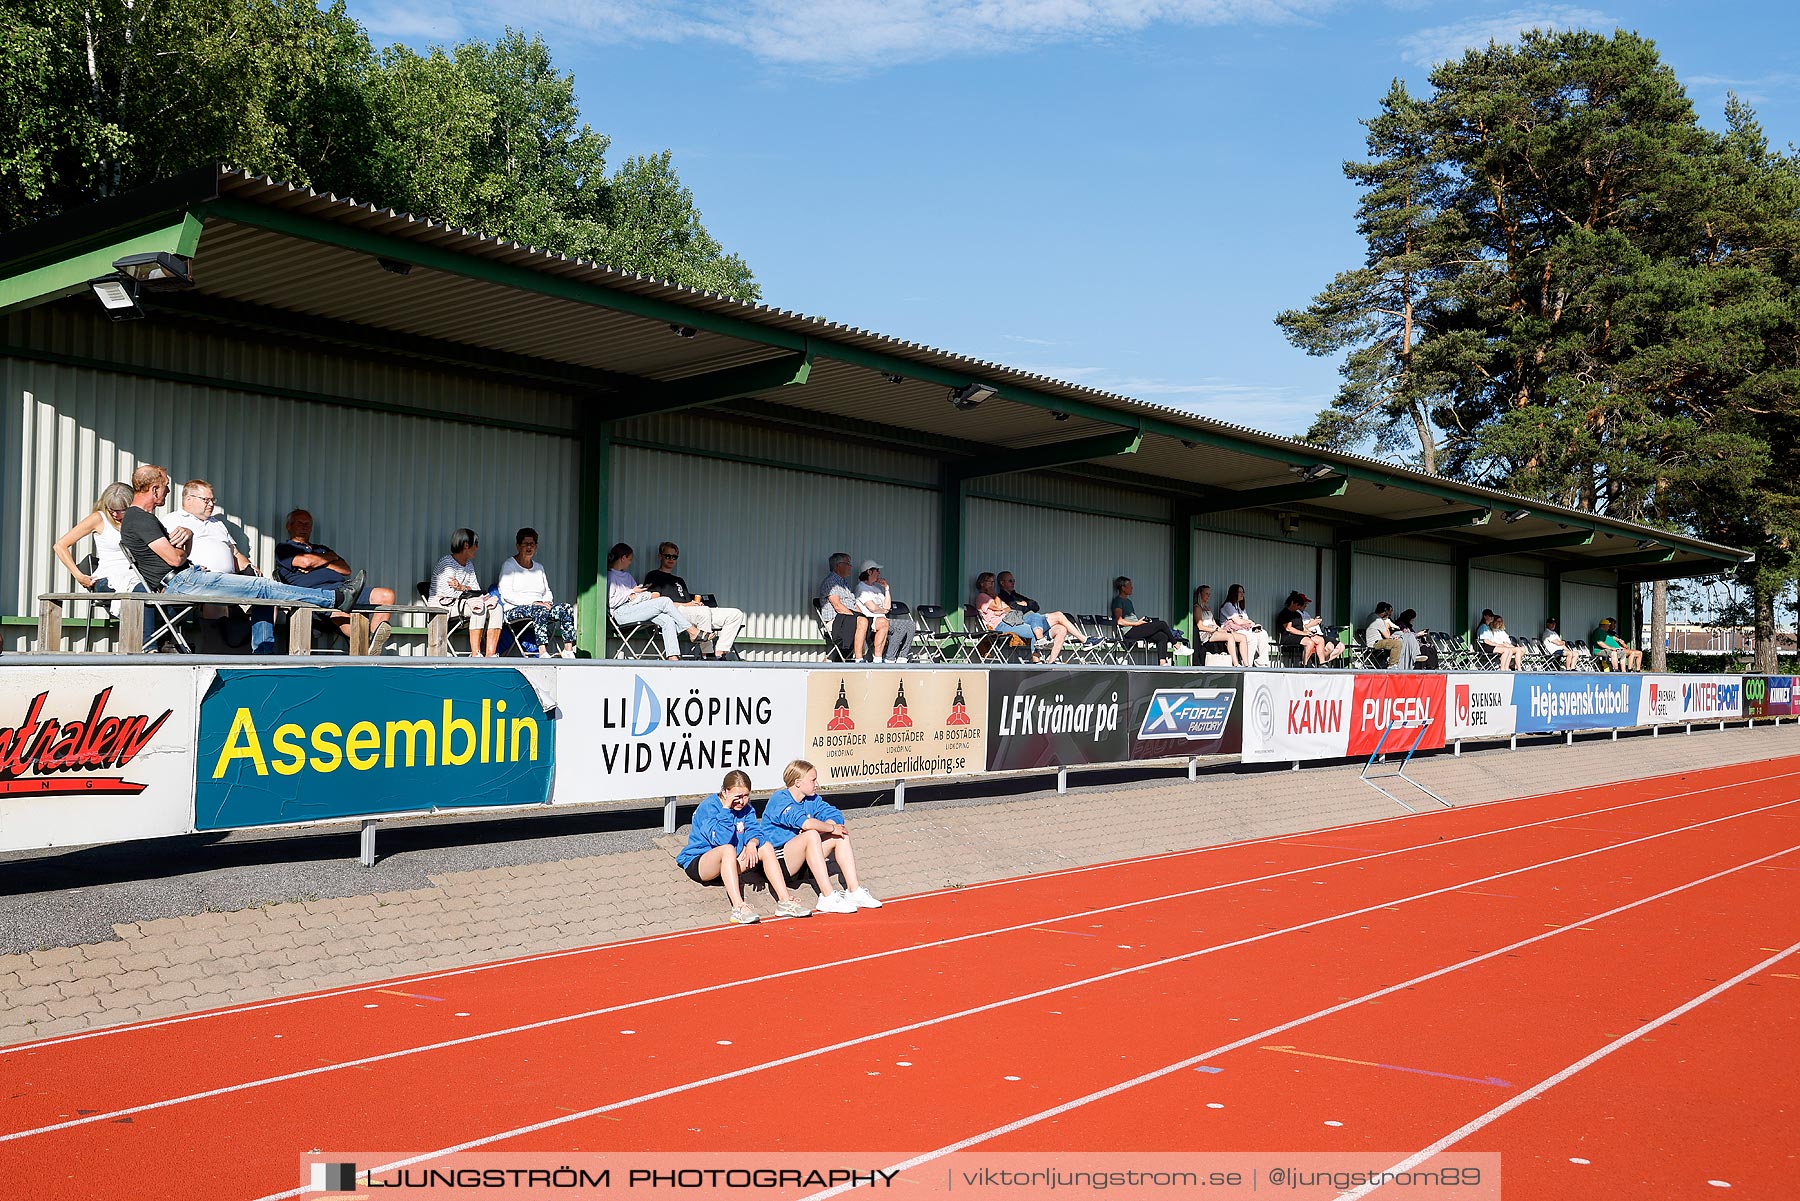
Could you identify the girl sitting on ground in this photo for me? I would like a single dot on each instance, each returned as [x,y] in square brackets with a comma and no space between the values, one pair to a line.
[809,832]
[726,841]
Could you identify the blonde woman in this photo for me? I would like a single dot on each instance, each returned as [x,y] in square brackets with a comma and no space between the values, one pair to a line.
[810,833]
[113,569]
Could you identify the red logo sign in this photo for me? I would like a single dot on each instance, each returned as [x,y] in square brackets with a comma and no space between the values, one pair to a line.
[1397,706]
[36,752]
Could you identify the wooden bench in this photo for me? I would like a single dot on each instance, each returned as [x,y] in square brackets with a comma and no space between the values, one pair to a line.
[130,607]
[437,627]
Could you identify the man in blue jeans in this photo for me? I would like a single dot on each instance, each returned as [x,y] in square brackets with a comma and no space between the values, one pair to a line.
[162,559]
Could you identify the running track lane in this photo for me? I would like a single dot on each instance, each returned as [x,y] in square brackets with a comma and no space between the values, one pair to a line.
[197,1053]
[367,1141]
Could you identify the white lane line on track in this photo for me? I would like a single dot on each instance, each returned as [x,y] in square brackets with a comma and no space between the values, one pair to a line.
[279,1002]
[1252,1039]
[814,1053]
[386,1056]
[1549,1082]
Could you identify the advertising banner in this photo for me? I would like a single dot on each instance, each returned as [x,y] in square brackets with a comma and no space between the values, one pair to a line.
[894,725]
[634,733]
[95,756]
[1173,716]
[1300,715]
[308,744]
[1402,700]
[1768,696]
[1480,705]
[1054,717]
[1667,699]
[1547,703]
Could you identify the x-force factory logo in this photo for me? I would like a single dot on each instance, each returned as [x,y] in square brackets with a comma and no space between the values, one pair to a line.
[1264,711]
[35,752]
[1196,714]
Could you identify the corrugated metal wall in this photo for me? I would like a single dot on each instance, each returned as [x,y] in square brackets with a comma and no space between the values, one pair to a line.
[1267,569]
[1065,560]
[1518,598]
[385,489]
[1406,584]
[759,537]
[1583,605]
[699,434]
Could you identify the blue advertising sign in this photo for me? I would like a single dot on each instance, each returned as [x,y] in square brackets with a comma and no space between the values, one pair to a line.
[310,744]
[1575,702]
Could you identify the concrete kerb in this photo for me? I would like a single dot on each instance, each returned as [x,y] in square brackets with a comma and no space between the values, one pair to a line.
[169,966]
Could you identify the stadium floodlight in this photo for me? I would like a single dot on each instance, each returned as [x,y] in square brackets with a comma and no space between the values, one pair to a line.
[1317,471]
[970,396]
[1517,515]
[157,271]
[118,296]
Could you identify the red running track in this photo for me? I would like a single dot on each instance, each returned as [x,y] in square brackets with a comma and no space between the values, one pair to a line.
[1520,977]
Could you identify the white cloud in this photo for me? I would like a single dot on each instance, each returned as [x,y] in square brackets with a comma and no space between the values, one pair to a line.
[1429,47]
[1272,408]
[414,24]
[840,36]
[1027,341]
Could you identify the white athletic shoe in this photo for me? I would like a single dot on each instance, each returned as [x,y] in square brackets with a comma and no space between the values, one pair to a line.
[835,902]
[862,899]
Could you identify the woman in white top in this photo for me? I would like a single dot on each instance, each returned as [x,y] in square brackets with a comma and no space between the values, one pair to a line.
[1208,630]
[525,596]
[1234,619]
[631,603]
[113,569]
[875,601]
[456,587]
[1500,645]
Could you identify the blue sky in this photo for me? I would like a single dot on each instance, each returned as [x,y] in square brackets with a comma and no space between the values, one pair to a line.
[1120,193]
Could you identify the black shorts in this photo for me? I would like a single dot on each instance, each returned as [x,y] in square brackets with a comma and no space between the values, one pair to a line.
[693,872]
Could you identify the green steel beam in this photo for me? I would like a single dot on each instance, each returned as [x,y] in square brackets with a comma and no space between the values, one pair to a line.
[953,498]
[1670,571]
[1553,587]
[1448,520]
[1219,500]
[593,512]
[1055,454]
[1634,559]
[1527,546]
[733,383]
[1181,566]
[69,275]
[525,279]
[1344,569]
[1464,616]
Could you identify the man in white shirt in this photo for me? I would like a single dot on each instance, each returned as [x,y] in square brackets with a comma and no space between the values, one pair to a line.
[214,549]
[1381,635]
[837,600]
[1554,643]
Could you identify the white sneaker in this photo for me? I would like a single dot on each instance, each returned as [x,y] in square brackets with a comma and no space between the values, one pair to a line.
[862,899]
[835,902]
[1182,648]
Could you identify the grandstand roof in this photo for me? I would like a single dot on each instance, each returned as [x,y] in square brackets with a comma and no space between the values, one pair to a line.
[282,260]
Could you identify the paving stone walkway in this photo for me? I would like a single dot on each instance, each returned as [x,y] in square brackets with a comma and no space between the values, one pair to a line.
[206,960]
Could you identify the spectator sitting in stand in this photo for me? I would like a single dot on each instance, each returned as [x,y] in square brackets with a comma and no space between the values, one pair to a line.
[113,570]
[1478,635]
[456,587]
[837,598]
[875,600]
[1295,628]
[307,564]
[1383,635]
[1622,657]
[525,595]
[718,623]
[1045,625]
[1424,654]
[630,602]
[1134,629]
[213,548]
[1208,631]
[1498,643]
[1555,644]
[1234,617]
[161,558]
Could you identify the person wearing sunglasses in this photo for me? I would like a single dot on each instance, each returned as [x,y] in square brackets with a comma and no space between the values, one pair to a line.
[717,623]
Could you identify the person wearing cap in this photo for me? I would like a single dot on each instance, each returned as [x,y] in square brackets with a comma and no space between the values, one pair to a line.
[892,631]
[1554,643]
[1508,655]
[1621,656]
[836,597]
[1294,628]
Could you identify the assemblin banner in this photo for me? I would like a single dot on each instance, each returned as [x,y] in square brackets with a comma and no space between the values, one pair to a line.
[279,746]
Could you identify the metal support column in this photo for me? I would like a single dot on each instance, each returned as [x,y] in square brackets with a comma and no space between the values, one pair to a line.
[591,528]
